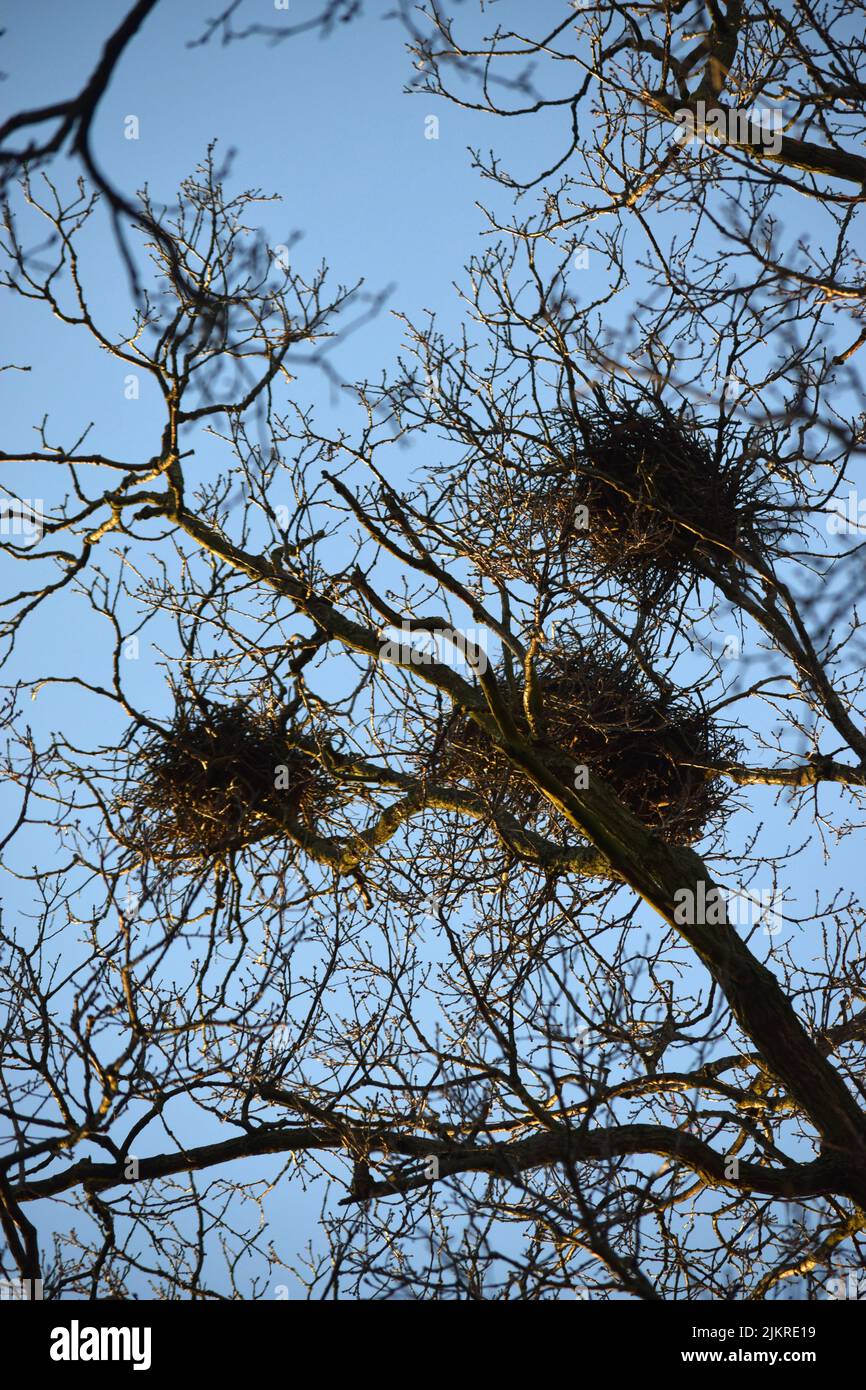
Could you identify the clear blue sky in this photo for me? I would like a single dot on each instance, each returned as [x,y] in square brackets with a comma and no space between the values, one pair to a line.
[325,124]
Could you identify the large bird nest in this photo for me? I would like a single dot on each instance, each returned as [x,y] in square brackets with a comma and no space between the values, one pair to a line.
[601,713]
[221,778]
[641,496]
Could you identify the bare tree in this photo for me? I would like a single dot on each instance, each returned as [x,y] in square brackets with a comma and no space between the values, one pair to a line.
[432,877]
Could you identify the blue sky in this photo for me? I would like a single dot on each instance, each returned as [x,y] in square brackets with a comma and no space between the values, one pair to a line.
[325,125]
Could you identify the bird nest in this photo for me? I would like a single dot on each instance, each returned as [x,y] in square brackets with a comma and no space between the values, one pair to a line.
[643,496]
[602,714]
[219,779]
